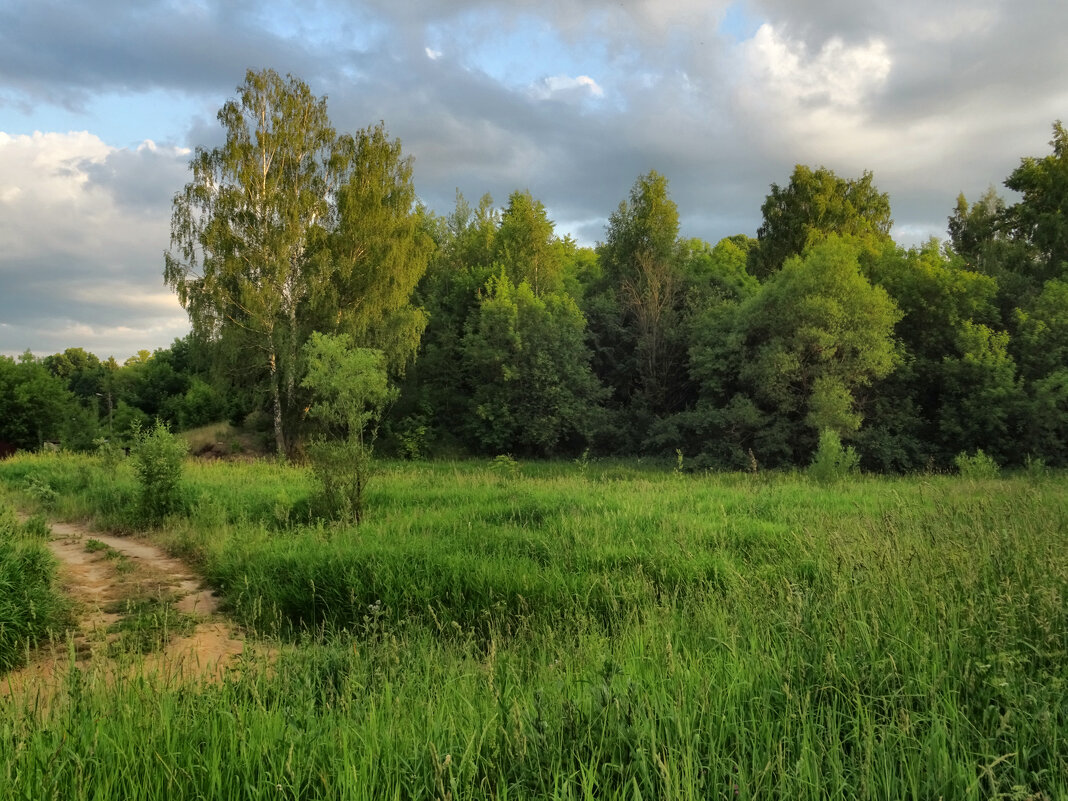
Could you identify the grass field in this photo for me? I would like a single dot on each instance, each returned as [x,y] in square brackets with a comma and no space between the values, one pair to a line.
[583,631]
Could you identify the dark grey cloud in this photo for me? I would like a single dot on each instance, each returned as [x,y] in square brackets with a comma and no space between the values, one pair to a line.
[63,53]
[141,182]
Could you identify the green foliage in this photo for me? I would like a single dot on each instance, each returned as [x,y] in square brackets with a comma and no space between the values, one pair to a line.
[40,491]
[1035,469]
[815,335]
[977,467]
[505,466]
[326,237]
[350,385]
[720,271]
[1040,217]
[524,357]
[109,452]
[646,224]
[813,206]
[833,462]
[639,307]
[1042,332]
[35,405]
[350,389]
[526,245]
[504,337]
[981,396]
[157,457]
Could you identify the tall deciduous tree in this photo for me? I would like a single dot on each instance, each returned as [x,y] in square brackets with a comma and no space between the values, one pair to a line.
[288,228]
[532,390]
[637,335]
[1041,216]
[525,245]
[815,204]
[815,334]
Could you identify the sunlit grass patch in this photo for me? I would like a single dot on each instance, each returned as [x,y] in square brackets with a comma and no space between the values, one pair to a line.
[567,634]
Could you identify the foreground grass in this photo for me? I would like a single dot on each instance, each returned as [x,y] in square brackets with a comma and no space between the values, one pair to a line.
[587,632]
[32,609]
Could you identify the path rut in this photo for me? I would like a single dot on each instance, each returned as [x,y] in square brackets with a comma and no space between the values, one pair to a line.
[102,573]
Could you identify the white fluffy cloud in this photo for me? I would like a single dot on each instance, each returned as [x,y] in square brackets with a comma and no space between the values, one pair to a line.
[82,234]
[837,76]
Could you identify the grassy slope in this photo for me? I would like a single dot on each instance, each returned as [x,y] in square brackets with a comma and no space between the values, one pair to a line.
[593,632]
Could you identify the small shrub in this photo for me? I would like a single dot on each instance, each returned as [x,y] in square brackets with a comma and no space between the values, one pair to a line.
[41,491]
[413,436]
[505,466]
[351,390]
[833,462]
[157,460]
[978,467]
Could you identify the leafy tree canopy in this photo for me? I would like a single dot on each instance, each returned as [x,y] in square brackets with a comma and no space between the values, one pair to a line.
[814,205]
[288,228]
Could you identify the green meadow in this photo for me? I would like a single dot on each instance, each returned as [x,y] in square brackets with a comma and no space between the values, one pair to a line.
[585,630]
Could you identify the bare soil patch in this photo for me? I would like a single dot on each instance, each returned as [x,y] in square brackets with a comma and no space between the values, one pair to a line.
[137,608]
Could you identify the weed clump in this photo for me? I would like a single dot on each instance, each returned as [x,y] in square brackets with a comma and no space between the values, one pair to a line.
[977,467]
[157,461]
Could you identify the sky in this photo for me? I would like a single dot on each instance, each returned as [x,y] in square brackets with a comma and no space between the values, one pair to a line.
[103,101]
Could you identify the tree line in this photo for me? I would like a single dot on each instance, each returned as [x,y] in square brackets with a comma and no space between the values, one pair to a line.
[497,335]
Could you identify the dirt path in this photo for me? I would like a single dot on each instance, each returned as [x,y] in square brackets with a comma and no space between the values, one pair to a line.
[136,609]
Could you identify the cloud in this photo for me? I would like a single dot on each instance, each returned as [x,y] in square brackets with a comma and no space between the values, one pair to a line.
[572,100]
[565,87]
[838,75]
[82,230]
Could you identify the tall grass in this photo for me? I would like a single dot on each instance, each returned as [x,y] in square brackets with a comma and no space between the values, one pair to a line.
[599,633]
[32,610]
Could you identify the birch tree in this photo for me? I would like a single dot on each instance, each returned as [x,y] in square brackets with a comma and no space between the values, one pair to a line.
[289,228]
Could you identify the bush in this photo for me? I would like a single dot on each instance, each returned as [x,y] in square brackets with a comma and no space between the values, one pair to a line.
[41,491]
[832,461]
[157,461]
[350,391]
[978,467]
[342,469]
[505,466]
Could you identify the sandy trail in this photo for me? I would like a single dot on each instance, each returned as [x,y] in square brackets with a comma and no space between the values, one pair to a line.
[101,579]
